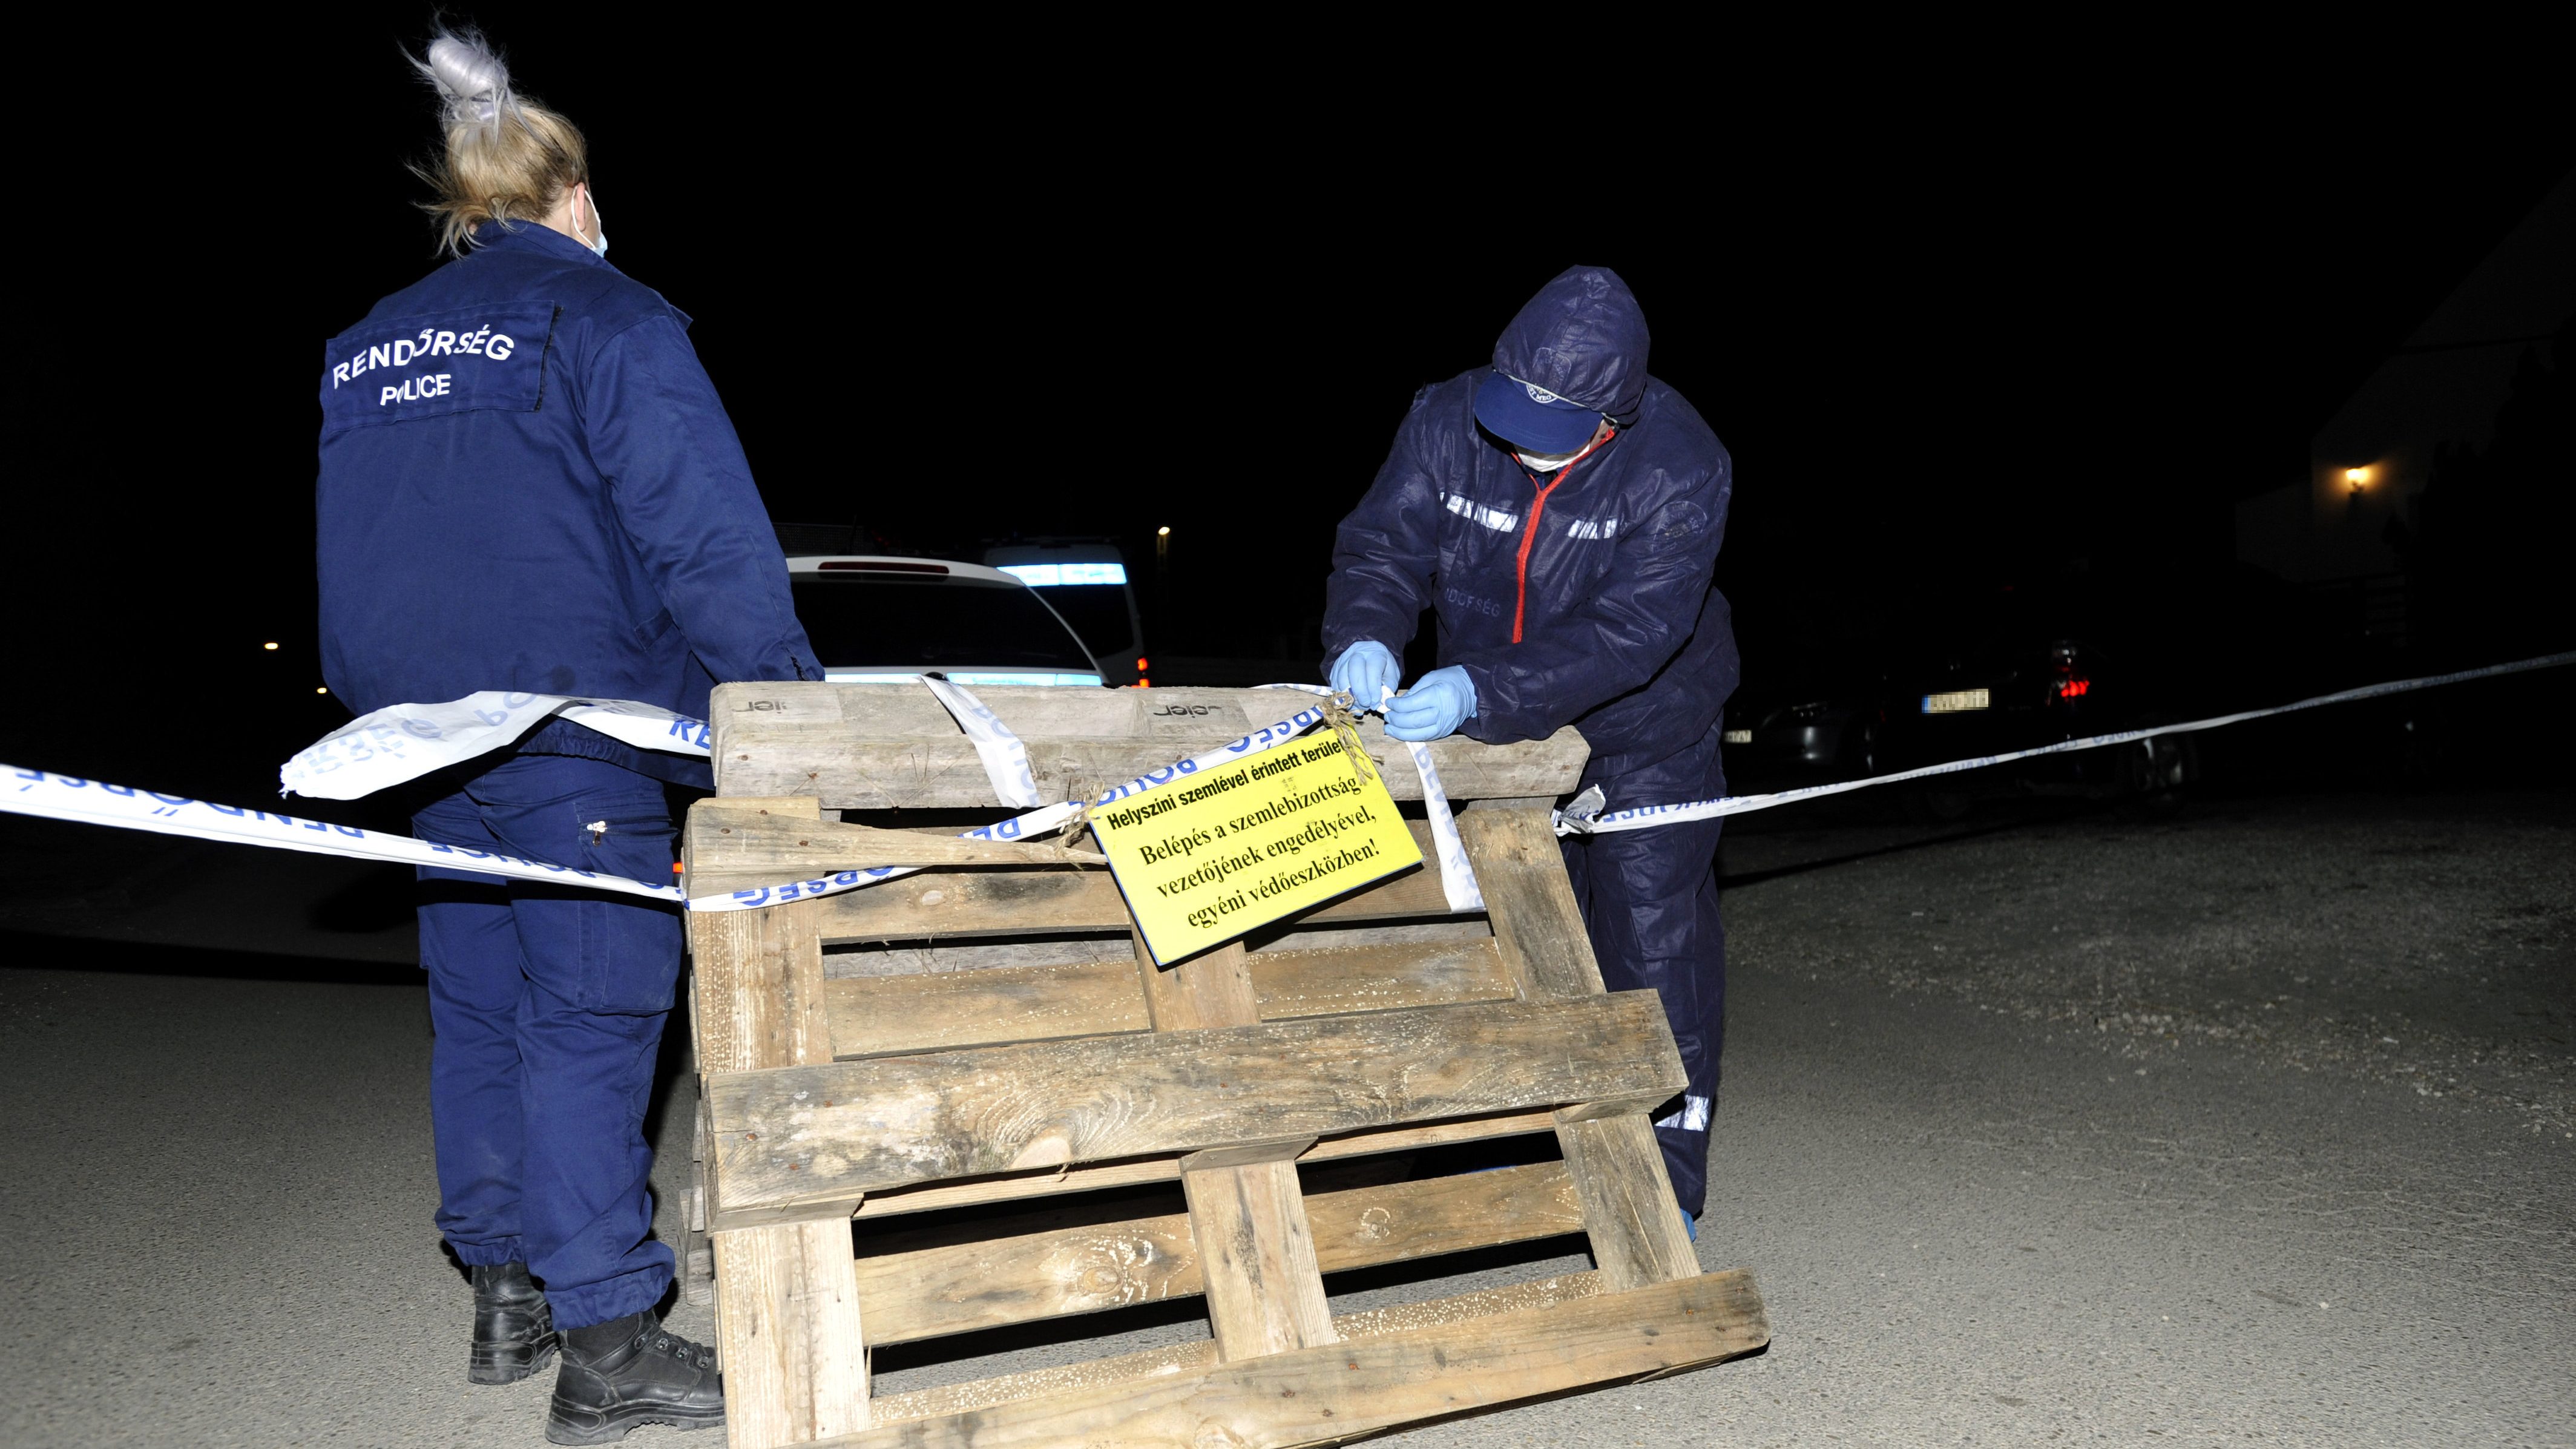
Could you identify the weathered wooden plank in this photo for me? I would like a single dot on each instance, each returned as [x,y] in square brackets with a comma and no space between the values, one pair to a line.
[1365,1384]
[1265,1293]
[1333,980]
[952,903]
[1043,1182]
[826,1133]
[776,847]
[1636,1227]
[959,1288]
[1244,1154]
[787,1299]
[936,1011]
[877,1015]
[1521,870]
[758,975]
[864,747]
[697,1266]
[977,1394]
[1638,1236]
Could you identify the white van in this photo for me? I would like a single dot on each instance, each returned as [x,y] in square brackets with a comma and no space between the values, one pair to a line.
[876,619]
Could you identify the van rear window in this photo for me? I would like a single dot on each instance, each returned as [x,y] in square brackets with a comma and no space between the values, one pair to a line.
[895,621]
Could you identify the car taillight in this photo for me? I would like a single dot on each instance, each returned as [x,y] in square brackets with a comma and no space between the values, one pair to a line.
[881,566]
[2074,688]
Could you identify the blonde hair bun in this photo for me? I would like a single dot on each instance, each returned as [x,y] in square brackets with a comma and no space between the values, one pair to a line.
[507,159]
[469,77]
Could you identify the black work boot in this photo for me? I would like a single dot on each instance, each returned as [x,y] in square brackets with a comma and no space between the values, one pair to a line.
[631,1371]
[514,1332]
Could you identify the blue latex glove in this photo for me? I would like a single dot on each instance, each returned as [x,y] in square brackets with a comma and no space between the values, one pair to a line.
[1433,709]
[1366,671]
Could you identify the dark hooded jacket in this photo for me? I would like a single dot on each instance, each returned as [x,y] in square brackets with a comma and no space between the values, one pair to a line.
[1581,597]
[527,483]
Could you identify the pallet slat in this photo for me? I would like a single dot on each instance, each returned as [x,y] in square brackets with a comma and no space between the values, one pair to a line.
[1637,1232]
[868,747]
[936,1011]
[787,1299]
[1345,1389]
[822,1135]
[928,1292]
[1247,1215]
[1336,980]
[1040,1182]
[947,904]
[975,1394]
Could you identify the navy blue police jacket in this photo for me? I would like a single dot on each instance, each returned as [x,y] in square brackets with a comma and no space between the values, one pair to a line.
[527,483]
[1581,597]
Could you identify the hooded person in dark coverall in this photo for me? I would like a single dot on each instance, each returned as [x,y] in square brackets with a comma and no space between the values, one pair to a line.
[528,484]
[1561,510]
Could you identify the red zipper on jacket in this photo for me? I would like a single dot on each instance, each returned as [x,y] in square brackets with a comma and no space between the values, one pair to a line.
[1529,532]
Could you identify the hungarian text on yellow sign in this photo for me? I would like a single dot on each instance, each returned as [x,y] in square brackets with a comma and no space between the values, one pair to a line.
[1215,853]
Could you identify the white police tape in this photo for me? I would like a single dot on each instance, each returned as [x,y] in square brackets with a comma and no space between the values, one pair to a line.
[95,802]
[1581,815]
[1006,760]
[400,742]
[70,797]
[1457,876]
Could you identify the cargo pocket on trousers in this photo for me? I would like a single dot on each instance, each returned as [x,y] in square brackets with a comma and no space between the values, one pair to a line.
[630,948]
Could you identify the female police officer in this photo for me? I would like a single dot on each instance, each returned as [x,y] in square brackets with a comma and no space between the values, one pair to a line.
[527,484]
[1561,511]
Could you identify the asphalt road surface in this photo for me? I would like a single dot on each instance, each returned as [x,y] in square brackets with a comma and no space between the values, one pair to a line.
[2047,1128]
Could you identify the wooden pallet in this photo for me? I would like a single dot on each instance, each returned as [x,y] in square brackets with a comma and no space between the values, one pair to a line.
[999,1035]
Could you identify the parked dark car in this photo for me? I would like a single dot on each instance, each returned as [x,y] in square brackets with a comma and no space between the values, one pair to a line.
[1805,733]
[1959,703]
[2003,696]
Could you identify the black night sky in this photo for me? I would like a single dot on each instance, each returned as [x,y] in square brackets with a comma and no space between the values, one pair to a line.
[1962,329]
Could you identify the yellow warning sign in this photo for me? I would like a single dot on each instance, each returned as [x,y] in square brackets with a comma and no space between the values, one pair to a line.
[1215,853]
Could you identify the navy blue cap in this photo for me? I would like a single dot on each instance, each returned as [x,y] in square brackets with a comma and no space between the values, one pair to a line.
[1531,418]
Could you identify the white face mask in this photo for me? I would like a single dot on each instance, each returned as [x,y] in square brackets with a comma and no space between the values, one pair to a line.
[598,229]
[1546,462]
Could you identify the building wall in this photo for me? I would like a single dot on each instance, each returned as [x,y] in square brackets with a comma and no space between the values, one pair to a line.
[2324,530]
[2444,385]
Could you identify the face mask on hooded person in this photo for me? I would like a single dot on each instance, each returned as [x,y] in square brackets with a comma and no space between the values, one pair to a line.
[1550,462]
[1545,462]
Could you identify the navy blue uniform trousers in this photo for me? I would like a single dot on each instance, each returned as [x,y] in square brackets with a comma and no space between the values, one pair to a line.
[549,1003]
[1649,901]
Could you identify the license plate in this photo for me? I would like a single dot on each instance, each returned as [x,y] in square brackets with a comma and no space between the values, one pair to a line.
[1739,737]
[1955,701]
